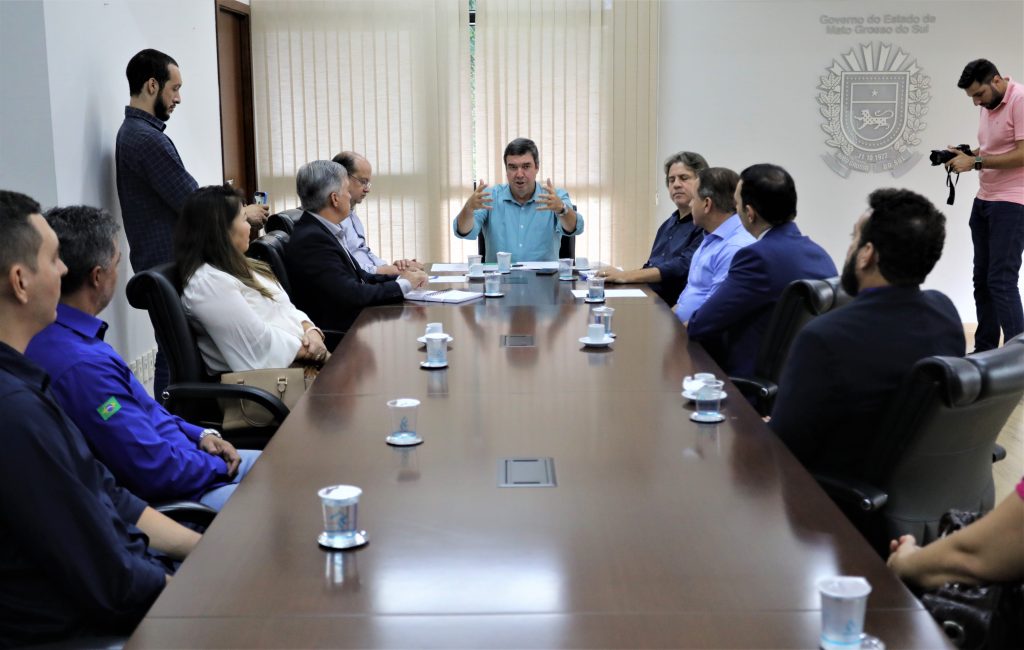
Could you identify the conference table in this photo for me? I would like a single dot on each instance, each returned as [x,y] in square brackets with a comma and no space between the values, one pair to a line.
[659,532]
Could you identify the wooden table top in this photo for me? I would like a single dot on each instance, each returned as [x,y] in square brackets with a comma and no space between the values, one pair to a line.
[660,533]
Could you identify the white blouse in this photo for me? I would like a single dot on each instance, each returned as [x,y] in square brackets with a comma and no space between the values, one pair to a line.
[237,328]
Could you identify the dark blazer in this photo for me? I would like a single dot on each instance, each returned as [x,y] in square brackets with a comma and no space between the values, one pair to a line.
[732,322]
[845,366]
[326,283]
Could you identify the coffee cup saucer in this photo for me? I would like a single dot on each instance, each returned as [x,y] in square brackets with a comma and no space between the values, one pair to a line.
[697,417]
[340,542]
[496,294]
[403,441]
[601,343]
[567,278]
[470,276]
[692,395]
[593,300]
[423,339]
[426,365]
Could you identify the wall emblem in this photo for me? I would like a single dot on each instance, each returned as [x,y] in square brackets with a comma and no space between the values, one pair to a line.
[874,100]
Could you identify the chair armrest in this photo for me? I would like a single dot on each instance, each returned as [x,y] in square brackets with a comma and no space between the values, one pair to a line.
[187,512]
[209,391]
[853,492]
[332,338]
[754,387]
[998,452]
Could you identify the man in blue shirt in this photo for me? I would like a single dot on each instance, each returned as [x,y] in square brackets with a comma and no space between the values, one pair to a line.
[731,323]
[156,455]
[73,545]
[523,217]
[714,209]
[668,267]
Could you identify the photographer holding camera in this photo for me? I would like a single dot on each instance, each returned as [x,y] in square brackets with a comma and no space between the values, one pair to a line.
[997,217]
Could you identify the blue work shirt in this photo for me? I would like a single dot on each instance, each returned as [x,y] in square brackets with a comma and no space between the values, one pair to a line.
[71,557]
[151,452]
[710,265]
[531,235]
[152,186]
[673,249]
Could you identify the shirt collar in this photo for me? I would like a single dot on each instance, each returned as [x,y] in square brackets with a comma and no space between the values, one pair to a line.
[728,227]
[1011,88]
[78,321]
[333,228]
[688,217]
[153,120]
[22,367]
[764,232]
[507,196]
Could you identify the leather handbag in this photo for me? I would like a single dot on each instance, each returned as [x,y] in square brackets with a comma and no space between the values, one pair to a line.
[978,617]
[287,384]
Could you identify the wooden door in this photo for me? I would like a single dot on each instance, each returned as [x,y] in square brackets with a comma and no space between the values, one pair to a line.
[234,61]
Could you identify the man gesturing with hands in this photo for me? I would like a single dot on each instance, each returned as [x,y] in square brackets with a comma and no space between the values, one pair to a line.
[522,217]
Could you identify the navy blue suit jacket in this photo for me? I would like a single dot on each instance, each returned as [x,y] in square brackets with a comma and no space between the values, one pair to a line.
[845,367]
[733,321]
[326,283]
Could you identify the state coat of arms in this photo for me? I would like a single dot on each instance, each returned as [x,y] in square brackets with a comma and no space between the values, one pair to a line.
[874,101]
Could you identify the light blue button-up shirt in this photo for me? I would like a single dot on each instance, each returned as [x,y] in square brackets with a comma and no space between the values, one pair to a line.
[710,265]
[531,235]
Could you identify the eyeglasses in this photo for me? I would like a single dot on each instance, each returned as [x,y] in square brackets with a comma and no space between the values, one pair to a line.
[362,181]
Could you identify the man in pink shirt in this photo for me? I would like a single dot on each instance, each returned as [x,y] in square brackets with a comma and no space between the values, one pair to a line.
[997,218]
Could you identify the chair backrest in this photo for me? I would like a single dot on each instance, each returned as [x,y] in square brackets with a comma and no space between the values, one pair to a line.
[800,303]
[158,291]
[284,220]
[270,248]
[566,247]
[934,446]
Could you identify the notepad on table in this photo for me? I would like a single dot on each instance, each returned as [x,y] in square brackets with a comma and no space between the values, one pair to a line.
[612,293]
[448,295]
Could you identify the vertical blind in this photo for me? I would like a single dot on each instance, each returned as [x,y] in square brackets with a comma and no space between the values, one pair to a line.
[390,79]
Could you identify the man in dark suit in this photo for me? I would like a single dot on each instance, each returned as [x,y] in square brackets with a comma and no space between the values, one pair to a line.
[846,366]
[326,282]
[734,319]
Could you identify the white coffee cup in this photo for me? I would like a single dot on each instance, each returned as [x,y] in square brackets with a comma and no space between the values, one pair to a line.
[582,263]
[475,259]
[434,328]
[476,269]
[504,262]
[692,384]
[595,332]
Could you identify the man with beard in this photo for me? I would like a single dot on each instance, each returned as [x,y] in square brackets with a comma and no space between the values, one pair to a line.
[997,217]
[668,267]
[152,183]
[846,366]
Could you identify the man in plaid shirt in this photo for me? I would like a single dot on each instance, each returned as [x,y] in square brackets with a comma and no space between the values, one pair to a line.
[152,183]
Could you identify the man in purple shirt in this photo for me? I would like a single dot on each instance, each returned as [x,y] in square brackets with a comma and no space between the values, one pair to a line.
[714,209]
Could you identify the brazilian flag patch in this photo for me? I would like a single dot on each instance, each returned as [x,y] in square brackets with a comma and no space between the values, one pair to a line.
[108,408]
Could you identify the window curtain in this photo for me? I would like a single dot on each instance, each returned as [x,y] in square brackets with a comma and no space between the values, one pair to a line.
[388,79]
[579,78]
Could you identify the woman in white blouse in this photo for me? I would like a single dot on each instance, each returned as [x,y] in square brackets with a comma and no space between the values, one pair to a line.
[243,318]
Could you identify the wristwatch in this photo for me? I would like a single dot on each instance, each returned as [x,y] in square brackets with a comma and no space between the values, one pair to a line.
[977,162]
[210,432]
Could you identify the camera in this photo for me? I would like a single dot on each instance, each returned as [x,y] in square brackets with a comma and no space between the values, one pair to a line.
[943,156]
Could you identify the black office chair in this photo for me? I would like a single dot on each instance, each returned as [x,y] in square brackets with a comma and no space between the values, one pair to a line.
[934,446]
[800,303]
[193,393]
[284,220]
[270,248]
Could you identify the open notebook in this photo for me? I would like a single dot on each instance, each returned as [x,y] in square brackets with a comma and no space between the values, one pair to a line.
[447,295]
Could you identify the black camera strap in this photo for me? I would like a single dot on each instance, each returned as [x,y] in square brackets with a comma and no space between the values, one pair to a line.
[951,184]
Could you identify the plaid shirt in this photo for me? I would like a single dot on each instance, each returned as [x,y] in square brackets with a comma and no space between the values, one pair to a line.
[152,186]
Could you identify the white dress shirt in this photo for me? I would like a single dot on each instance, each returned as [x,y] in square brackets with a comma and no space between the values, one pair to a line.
[238,328]
[339,233]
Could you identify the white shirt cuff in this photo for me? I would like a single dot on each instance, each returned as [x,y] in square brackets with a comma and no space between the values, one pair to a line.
[405,284]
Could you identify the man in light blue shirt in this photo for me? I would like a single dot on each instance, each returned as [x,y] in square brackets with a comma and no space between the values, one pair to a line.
[523,217]
[714,209]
